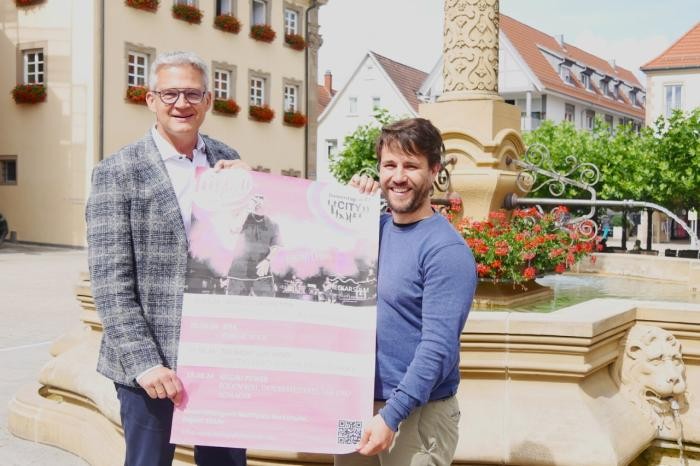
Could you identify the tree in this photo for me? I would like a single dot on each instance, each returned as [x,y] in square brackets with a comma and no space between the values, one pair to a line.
[659,164]
[358,149]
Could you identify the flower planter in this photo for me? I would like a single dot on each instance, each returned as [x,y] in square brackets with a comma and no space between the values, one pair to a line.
[263,114]
[295,119]
[262,32]
[226,107]
[136,94]
[191,14]
[145,5]
[523,247]
[24,3]
[502,294]
[295,41]
[227,23]
[29,93]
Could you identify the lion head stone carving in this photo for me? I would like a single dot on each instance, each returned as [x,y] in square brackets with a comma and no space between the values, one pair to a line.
[651,373]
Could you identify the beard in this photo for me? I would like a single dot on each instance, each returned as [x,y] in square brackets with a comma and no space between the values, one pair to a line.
[406,206]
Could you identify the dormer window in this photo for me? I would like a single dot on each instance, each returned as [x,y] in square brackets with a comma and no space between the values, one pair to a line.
[633,97]
[586,80]
[565,73]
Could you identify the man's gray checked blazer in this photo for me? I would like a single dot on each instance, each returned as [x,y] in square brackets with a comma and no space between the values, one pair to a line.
[137,253]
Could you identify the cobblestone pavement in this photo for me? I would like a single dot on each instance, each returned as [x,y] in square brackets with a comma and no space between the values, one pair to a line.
[37,305]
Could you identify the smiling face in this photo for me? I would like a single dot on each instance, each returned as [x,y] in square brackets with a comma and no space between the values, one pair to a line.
[179,122]
[405,181]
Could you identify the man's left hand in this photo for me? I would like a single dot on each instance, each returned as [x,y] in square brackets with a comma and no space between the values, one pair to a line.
[376,438]
[226,164]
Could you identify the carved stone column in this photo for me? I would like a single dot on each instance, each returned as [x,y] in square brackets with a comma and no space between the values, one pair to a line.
[479,129]
[470,50]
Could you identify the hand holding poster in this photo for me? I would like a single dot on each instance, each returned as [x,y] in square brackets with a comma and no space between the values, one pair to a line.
[278,326]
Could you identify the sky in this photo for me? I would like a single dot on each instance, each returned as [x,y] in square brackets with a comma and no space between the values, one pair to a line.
[632,32]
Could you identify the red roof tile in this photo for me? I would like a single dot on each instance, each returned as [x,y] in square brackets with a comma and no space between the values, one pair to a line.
[528,41]
[684,53]
[324,97]
[406,78]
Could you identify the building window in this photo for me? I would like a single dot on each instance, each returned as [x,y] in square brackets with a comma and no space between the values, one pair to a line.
[257,91]
[33,66]
[222,84]
[224,7]
[586,81]
[589,118]
[331,146]
[633,97]
[674,93]
[291,98]
[352,110]
[609,121]
[259,12]
[376,103]
[8,169]
[565,73]
[138,66]
[569,112]
[291,21]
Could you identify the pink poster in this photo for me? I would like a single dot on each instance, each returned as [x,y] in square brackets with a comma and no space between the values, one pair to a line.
[278,322]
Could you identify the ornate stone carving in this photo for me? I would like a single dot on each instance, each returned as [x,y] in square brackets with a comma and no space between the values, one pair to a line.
[651,374]
[471,50]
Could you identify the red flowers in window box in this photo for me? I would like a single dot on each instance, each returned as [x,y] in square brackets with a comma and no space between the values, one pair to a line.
[27,2]
[227,106]
[262,32]
[295,119]
[145,5]
[227,23]
[295,41]
[29,93]
[136,94]
[191,14]
[264,113]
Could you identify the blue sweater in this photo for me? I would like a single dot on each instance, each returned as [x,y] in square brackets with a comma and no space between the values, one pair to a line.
[425,286]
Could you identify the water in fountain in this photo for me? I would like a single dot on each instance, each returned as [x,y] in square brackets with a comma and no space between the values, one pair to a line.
[675,408]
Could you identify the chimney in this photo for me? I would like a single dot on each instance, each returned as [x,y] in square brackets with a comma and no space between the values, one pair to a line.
[613,64]
[560,40]
[328,82]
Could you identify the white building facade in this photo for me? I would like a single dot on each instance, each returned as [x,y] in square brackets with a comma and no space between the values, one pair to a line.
[673,78]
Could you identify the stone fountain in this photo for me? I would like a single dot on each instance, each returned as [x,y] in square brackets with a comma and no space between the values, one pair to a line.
[605,382]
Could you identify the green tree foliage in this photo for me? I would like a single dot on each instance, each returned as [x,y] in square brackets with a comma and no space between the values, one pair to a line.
[358,149]
[659,164]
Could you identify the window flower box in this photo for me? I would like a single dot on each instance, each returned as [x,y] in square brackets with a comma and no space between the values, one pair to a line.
[264,114]
[29,93]
[145,5]
[228,107]
[191,14]
[296,119]
[21,3]
[262,32]
[136,94]
[227,23]
[295,41]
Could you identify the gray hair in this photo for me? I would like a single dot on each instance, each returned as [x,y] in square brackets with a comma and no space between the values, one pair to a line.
[178,59]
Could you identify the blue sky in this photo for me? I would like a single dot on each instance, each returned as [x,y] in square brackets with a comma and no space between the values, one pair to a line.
[410,31]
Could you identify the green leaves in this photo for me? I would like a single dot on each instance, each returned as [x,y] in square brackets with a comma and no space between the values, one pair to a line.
[659,164]
[358,148]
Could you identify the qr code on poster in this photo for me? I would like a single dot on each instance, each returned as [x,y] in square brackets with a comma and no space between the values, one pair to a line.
[349,432]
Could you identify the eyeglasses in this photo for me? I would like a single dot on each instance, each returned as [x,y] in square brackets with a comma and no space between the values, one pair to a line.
[170,96]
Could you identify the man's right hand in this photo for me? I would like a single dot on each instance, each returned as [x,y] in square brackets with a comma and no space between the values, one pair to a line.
[364,184]
[161,382]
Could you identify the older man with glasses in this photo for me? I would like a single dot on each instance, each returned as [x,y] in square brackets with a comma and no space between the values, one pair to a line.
[138,225]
